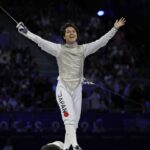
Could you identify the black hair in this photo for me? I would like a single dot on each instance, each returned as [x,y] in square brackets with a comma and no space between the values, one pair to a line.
[66,25]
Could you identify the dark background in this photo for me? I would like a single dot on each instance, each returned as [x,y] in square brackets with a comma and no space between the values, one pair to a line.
[115,113]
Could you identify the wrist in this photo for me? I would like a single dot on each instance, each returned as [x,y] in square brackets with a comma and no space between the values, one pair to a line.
[116,27]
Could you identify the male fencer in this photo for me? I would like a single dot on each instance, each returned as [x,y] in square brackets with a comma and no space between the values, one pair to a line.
[70,59]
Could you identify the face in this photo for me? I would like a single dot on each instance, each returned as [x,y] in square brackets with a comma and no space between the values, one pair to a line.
[70,35]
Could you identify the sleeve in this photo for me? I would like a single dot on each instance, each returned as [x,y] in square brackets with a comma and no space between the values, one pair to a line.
[92,47]
[47,46]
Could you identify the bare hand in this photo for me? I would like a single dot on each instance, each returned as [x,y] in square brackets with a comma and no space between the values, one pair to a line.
[119,23]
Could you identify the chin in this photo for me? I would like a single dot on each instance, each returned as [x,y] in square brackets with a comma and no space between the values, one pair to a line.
[71,42]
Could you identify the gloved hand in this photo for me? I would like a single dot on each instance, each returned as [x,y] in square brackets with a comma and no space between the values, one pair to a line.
[22,28]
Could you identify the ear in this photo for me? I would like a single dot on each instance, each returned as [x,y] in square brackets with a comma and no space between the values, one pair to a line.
[64,38]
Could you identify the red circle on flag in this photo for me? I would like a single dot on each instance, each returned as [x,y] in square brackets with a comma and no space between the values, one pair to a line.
[66,114]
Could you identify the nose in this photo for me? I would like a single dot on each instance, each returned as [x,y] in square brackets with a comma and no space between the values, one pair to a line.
[72,33]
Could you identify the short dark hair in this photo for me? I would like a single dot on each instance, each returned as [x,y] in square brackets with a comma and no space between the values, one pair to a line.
[66,25]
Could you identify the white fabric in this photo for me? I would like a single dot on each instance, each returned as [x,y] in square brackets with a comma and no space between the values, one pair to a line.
[47,46]
[70,57]
[70,63]
[71,135]
[70,103]
[67,142]
[92,47]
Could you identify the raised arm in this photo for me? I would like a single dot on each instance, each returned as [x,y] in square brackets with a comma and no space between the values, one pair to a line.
[47,46]
[92,47]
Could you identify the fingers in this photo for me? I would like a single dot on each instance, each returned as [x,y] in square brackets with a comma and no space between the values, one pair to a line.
[122,19]
[119,23]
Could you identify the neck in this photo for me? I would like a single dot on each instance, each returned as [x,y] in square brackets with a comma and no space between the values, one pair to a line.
[74,44]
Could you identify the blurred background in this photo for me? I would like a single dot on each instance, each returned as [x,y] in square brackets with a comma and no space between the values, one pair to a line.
[115,112]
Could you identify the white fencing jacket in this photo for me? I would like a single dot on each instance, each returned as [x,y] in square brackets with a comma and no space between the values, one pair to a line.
[70,57]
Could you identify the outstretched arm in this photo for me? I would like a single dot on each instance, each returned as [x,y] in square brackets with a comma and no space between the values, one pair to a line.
[92,47]
[47,46]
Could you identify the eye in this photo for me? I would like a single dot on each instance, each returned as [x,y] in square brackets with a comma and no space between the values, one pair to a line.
[68,31]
